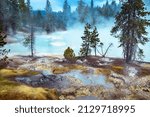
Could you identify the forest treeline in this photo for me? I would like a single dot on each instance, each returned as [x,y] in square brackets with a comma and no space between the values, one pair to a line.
[131,22]
[16,14]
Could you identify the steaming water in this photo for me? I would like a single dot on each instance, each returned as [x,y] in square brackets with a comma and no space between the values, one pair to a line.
[57,42]
[89,78]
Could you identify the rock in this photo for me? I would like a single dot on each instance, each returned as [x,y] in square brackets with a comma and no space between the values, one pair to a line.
[79,62]
[25,80]
[46,72]
[85,61]
[62,97]
[118,81]
[148,84]
[140,94]
[82,92]
[91,70]
[64,60]
[43,61]
[87,98]
[74,82]
[34,83]
[60,60]
[131,71]
[106,60]
[68,91]
[28,81]
[70,97]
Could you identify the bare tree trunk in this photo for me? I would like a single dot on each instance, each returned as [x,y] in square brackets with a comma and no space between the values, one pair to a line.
[107,50]
[32,41]
[104,54]
[95,51]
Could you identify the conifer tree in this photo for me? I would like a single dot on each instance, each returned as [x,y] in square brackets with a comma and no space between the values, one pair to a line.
[85,50]
[3,52]
[29,8]
[2,37]
[95,40]
[23,12]
[49,17]
[92,13]
[30,41]
[66,11]
[14,17]
[48,7]
[80,9]
[130,28]
[92,4]
[39,19]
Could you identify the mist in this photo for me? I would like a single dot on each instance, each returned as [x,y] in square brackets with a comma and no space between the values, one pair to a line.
[69,33]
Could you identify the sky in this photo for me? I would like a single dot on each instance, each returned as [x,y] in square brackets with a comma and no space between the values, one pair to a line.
[58,4]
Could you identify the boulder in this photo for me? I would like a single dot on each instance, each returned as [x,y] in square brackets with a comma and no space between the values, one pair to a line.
[79,62]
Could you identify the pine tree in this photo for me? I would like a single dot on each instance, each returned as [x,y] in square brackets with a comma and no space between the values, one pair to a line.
[39,19]
[66,11]
[29,8]
[92,13]
[14,17]
[92,4]
[2,37]
[114,8]
[49,25]
[3,52]
[23,12]
[2,11]
[95,40]
[4,19]
[80,10]
[85,50]
[30,41]
[130,28]
[48,7]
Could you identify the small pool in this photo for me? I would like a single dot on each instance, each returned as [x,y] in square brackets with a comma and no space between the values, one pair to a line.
[89,78]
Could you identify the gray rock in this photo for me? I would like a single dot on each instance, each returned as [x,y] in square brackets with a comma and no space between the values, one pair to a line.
[68,91]
[79,62]
[87,98]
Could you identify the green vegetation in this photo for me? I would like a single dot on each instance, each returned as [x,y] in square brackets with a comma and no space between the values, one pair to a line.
[3,52]
[91,41]
[69,54]
[30,41]
[130,28]
[86,50]
[95,40]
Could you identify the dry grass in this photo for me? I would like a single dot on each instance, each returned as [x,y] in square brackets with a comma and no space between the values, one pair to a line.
[10,90]
[77,67]
[60,70]
[67,68]
[144,72]
[117,69]
[139,93]
[9,73]
[106,72]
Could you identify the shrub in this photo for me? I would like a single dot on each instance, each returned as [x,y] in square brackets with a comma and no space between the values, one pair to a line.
[69,54]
